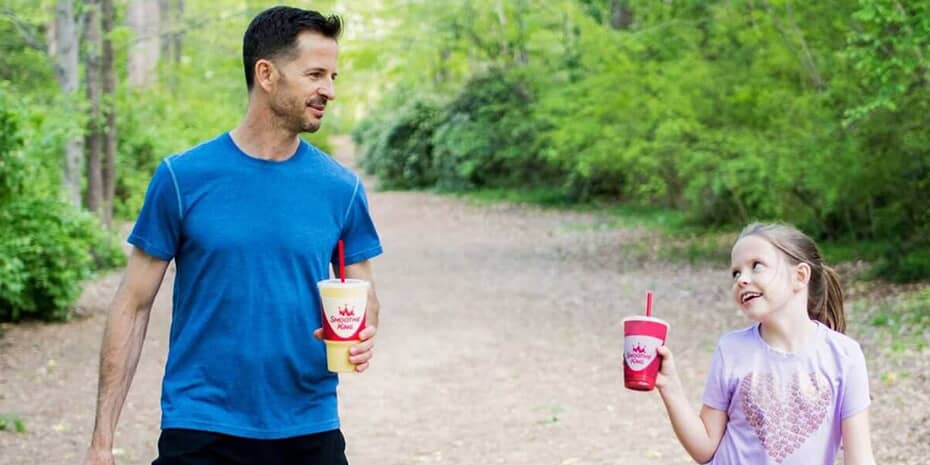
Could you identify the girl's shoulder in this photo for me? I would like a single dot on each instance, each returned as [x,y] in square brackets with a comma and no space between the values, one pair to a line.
[739,337]
[841,344]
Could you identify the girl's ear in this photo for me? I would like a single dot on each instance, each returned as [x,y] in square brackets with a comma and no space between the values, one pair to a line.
[802,276]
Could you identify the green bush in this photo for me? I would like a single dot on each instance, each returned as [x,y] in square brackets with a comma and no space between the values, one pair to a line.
[810,113]
[484,137]
[49,250]
[47,247]
[398,147]
[489,137]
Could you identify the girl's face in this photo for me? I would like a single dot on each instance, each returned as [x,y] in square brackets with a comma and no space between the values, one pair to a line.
[763,279]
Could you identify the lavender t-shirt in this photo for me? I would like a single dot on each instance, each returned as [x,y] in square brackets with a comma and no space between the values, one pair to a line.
[785,408]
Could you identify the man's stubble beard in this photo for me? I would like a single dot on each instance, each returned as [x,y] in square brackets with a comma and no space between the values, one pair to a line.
[290,113]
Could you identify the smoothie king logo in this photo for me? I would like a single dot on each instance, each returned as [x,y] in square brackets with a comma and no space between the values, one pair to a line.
[345,319]
[640,351]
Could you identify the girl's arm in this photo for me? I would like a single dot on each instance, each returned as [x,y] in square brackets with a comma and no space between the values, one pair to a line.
[699,434]
[857,441]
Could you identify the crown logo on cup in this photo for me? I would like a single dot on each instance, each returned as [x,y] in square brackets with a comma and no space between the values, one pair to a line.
[639,349]
[345,311]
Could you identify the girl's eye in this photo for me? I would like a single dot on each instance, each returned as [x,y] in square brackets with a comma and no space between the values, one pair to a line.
[756,266]
[735,274]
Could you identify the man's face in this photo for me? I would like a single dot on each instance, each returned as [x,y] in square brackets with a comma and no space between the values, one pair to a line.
[304,83]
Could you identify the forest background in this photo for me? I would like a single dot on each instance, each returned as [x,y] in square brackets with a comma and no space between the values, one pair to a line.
[695,117]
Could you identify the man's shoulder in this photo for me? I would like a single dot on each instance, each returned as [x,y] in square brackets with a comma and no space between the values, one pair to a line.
[333,169]
[201,154]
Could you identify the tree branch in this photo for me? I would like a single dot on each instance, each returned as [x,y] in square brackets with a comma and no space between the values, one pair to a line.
[186,27]
[923,68]
[24,30]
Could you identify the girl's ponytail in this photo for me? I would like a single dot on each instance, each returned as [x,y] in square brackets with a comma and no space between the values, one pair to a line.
[828,309]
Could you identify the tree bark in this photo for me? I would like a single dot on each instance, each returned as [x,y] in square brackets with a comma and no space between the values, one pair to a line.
[521,54]
[94,125]
[502,21]
[144,20]
[108,176]
[621,15]
[178,36]
[166,35]
[65,50]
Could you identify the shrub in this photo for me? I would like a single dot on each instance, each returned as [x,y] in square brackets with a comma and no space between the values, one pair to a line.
[47,247]
[398,148]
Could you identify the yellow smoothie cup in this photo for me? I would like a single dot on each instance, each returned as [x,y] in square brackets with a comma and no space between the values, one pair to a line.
[344,304]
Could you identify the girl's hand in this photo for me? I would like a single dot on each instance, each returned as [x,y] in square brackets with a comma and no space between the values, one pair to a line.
[668,375]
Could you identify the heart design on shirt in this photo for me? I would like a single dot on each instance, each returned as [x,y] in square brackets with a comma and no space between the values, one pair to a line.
[784,417]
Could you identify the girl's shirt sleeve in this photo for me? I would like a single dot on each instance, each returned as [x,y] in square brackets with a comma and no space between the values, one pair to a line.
[855,390]
[717,391]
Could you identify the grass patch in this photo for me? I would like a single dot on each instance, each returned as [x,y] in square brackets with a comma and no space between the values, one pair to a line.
[542,196]
[906,319]
[677,239]
[12,422]
[695,248]
[850,251]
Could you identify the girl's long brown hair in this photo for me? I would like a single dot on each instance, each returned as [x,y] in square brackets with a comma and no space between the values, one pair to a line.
[825,294]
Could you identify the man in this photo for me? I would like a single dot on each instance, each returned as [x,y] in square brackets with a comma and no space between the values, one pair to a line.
[252,219]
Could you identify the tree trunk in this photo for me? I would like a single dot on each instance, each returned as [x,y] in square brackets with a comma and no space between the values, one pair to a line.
[65,50]
[502,20]
[171,15]
[94,129]
[178,36]
[143,17]
[621,16]
[109,109]
[165,37]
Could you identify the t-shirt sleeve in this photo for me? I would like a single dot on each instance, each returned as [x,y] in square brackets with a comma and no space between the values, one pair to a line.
[157,229]
[716,389]
[855,385]
[358,232]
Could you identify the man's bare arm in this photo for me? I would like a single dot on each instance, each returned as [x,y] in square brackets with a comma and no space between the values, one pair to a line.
[362,270]
[127,321]
[360,354]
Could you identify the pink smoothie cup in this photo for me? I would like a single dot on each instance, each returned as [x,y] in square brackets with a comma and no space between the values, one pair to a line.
[641,363]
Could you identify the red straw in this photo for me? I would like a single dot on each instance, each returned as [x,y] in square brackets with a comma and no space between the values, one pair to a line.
[648,303]
[342,262]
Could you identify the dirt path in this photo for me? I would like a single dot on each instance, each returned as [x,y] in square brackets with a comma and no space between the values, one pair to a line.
[498,345]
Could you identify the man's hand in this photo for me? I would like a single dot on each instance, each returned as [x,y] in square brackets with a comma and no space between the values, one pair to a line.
[360,353]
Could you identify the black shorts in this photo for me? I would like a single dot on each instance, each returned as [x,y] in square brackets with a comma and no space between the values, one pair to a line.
[192,447]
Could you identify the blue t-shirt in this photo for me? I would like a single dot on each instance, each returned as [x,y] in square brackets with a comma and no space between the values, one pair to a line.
[250,239]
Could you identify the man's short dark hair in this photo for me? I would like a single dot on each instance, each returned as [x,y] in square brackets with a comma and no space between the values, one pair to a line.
[273,33]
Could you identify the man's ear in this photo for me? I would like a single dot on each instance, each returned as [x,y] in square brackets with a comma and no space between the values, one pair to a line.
[802,276]
[266,74]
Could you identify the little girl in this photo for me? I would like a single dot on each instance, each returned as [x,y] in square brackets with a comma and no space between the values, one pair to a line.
[789,389]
